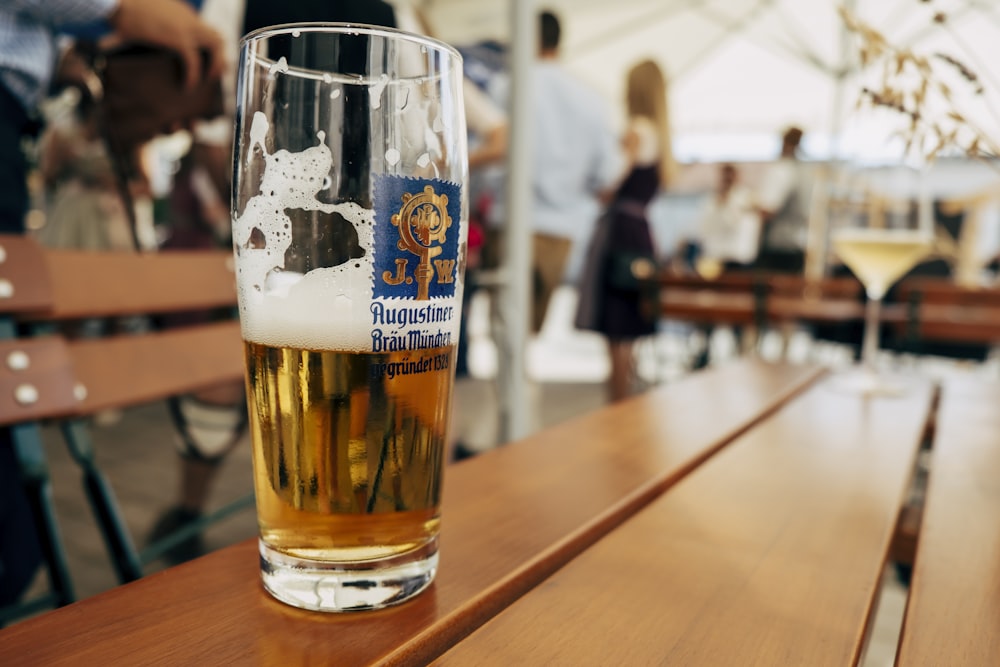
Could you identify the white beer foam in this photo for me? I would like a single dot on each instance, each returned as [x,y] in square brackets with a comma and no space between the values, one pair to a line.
[326,308]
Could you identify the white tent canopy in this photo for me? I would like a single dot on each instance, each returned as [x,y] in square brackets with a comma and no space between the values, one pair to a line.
[743,69]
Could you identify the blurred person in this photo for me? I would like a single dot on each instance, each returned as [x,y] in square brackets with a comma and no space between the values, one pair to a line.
[576,163]
[86,210]
[211,423]
[783,204]
[488,134]
[729,233]
[28,31]
[729,226]
[625,314]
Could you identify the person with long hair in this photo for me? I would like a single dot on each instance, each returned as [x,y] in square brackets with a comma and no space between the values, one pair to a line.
[625,309]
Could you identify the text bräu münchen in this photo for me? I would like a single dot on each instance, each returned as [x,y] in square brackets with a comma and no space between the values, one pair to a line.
[394,329]
[411,340]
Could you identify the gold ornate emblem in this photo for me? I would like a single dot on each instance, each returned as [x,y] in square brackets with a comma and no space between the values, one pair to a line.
[423,224]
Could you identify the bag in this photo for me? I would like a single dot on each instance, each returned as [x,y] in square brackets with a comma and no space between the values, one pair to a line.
[630,270]
[143,95]
[140,94]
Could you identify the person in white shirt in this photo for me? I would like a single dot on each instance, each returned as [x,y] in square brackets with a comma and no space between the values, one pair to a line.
[729,227]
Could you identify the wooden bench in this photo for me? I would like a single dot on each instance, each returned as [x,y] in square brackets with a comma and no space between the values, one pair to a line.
[760,299]
[51,376]
[732,298]
[752,302]
[948,319]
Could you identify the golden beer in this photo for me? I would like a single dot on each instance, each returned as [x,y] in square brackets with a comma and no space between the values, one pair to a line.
[348,449]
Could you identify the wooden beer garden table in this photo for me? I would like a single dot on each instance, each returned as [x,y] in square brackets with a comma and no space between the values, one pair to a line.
[740,516]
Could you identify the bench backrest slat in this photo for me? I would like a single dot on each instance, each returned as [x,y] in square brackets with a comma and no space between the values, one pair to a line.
[36,380]
[129,370]
[88,284]
[76,377]
[25,284]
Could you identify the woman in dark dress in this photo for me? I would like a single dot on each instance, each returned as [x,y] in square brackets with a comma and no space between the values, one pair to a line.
[622,312]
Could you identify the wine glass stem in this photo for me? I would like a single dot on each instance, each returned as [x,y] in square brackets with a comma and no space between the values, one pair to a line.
[869,345]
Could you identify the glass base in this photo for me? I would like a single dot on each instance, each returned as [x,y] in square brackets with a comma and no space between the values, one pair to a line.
[865,382]
[324,586]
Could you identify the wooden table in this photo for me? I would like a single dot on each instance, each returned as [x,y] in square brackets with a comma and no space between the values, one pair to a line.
[740,516]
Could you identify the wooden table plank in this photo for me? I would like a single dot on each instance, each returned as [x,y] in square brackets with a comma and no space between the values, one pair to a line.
[769,554]
[953,611]
[510,518]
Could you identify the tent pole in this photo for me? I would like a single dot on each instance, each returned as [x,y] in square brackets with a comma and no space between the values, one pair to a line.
[515,417]
[843,69]
[830,179]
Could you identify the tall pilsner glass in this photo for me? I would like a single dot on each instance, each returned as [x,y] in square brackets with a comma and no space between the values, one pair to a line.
[349,224]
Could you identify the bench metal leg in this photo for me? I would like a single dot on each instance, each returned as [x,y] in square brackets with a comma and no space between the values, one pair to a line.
[156,549]
[124,557]
[30,456]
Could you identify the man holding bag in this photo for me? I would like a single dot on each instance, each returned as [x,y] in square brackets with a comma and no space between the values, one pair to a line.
[28,54]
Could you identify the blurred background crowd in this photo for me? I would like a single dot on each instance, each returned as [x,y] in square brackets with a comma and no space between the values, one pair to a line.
[704,137]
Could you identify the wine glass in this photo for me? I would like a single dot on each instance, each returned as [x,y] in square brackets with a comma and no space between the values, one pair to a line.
[880,242]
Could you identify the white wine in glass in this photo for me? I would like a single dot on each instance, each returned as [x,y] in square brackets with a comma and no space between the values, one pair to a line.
[878,257]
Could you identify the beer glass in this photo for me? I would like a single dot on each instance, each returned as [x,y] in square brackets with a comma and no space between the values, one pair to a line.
[349,231]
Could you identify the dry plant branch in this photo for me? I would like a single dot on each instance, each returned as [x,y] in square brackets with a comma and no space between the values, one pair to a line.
[923,90]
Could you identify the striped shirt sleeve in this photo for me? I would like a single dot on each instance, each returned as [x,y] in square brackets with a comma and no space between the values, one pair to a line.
[62,12]
[27,40]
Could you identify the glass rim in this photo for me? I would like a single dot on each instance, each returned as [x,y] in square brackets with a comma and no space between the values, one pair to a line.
[349,28]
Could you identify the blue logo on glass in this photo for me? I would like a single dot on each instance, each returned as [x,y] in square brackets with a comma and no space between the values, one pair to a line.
[416,237]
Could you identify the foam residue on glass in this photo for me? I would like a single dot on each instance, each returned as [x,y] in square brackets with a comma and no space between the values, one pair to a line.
[322,308]
[326,308]
[279,67]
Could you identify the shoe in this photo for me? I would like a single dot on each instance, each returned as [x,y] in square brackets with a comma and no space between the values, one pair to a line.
[106,418]
[168,523]
[461,451]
